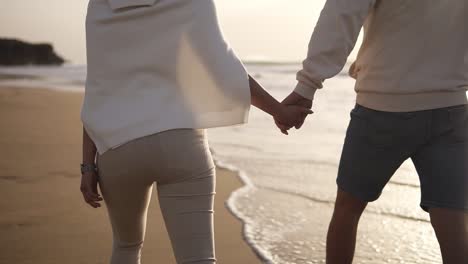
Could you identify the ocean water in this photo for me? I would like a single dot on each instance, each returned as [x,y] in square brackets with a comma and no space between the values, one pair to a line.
[287,201]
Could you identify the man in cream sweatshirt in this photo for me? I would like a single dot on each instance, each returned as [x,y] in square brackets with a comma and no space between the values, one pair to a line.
[411,80]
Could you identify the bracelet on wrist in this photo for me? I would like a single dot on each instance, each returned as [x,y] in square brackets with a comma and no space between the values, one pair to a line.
[88,168]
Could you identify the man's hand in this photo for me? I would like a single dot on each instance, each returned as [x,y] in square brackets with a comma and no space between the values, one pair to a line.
[291,115]
[298,100]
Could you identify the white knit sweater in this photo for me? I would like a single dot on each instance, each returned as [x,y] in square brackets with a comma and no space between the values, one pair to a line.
[156,65]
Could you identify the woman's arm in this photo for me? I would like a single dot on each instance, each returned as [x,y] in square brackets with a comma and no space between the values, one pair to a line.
[89,177]
[287,115]
[89,149]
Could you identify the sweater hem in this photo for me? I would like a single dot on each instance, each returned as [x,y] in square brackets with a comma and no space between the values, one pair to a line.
[411,102]
[208,121]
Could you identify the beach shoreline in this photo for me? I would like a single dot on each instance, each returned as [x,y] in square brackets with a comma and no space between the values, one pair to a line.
[44,219]
[285,203]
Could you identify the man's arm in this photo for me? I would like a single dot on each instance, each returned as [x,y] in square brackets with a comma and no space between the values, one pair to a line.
[334,38]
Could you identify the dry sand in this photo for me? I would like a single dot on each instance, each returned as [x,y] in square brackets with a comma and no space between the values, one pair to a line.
[42,216]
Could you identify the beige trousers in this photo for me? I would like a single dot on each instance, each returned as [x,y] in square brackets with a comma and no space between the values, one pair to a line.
[179,163]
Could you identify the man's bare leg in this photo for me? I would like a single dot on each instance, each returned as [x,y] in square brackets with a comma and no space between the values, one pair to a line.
[451,228]
[341,238]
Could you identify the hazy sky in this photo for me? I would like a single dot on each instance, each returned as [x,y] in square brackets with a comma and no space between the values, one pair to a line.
[256,29]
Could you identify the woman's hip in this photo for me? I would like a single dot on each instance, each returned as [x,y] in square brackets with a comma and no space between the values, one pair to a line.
[165,157]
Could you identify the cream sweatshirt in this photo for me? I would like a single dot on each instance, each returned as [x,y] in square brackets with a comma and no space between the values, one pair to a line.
[414,55]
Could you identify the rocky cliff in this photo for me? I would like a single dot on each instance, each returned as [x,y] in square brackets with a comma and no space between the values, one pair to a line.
[15,52]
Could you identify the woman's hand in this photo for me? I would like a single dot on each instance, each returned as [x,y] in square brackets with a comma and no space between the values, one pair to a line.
[286,116]
[89,178]
[292,115]
[89,183]
[294,99]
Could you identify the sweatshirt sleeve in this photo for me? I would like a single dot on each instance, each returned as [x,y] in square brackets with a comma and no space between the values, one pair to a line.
[334,38]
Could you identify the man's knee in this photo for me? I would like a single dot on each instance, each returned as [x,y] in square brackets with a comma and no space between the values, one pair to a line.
[444,215]
[443,219]
[348,205]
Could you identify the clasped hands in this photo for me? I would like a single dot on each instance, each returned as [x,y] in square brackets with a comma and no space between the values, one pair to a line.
[296,111]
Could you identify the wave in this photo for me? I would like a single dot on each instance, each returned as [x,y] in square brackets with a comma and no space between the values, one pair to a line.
[263,255]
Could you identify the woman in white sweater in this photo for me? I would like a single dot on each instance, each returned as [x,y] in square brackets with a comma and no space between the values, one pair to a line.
[159,74]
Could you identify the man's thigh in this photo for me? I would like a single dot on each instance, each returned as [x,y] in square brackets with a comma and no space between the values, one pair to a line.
[376,145]
[442,164]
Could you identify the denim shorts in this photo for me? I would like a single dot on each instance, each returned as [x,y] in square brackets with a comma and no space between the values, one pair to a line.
[377,143]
